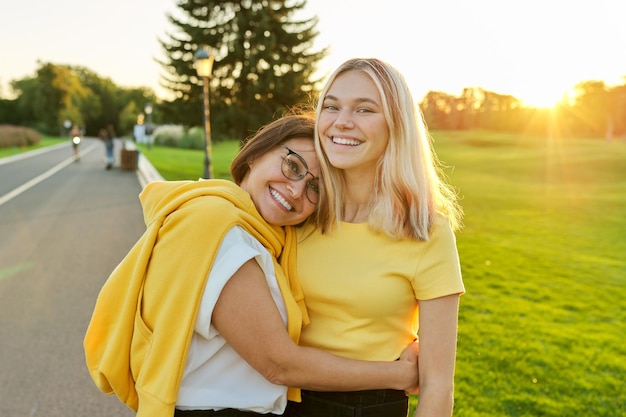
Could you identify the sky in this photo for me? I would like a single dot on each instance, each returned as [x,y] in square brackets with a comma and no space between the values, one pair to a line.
[535,50]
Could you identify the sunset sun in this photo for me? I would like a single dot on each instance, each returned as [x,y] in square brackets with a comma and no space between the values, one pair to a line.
[543,97]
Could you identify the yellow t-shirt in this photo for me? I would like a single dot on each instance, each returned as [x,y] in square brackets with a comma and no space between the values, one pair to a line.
[362,288]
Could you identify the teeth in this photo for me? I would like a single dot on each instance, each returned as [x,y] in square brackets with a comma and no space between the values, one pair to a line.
[344,141]
[280,199]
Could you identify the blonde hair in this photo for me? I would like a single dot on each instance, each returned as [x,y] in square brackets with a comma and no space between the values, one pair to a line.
[409,189]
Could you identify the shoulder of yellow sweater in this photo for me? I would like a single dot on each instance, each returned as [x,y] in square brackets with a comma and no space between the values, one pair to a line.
[157,190]
[161,198]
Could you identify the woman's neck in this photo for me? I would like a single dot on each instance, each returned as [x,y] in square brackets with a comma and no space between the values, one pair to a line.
[357,198]
[357,214]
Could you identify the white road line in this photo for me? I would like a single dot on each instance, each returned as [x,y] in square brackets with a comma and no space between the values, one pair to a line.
[19,190]
[28,154]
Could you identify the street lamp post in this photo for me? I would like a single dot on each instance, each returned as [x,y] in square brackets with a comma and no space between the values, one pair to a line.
[67,124]
[148,127]
[204,66]
[148,110]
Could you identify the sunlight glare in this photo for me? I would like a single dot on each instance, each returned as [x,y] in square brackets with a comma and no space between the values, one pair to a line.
[544,98]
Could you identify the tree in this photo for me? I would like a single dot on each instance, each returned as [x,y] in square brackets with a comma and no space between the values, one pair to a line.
[437,107]
[111,104]
[102,107]
[63,92]
[54,95]
[617,105]
[9,112]
[592,107]
[26,97]
[263,62]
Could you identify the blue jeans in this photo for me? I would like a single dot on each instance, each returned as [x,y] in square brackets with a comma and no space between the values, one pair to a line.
[109,152]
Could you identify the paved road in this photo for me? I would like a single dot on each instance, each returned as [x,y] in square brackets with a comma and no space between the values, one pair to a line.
[64,226]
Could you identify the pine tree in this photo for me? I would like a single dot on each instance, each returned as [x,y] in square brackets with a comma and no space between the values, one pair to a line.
[264,62]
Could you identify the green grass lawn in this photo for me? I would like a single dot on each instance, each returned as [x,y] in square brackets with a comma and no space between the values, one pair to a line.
[186,164]
[543,253]
[542,326]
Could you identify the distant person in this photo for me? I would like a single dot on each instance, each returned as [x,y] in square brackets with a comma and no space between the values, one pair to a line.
[139,133]
[76,138]
[107,135]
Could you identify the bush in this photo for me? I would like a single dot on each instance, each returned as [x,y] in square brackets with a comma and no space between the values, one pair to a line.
[168,135]
[193,139]
[176,136]
[12,136]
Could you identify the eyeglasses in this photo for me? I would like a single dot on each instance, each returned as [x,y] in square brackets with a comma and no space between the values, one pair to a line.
[294,168]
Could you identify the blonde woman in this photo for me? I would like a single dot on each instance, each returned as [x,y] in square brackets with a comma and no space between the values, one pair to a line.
[382,265]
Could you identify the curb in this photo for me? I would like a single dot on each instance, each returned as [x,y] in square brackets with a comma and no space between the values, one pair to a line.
[147,173]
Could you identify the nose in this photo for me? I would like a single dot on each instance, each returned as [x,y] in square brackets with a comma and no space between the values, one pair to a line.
[343,120]
[297,188]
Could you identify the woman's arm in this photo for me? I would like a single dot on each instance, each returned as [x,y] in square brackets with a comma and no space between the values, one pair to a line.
[438,321]
[247,318]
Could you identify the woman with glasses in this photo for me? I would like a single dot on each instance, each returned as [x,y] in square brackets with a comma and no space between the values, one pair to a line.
[382,263]
[202,316]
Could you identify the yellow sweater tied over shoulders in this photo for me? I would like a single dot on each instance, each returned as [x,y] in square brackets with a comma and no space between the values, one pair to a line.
[137,341]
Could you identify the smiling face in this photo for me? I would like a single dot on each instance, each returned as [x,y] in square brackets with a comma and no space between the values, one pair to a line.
[279,200]
[352,128]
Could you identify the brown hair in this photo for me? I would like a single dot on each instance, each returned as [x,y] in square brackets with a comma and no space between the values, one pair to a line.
[270,136]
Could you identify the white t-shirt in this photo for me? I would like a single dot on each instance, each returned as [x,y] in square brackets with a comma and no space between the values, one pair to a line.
[216,377]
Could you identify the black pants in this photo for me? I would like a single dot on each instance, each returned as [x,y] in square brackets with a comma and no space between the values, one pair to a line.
[227,412]
[372,403]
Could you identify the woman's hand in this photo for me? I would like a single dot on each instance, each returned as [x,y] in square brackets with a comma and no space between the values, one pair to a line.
[411,355]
